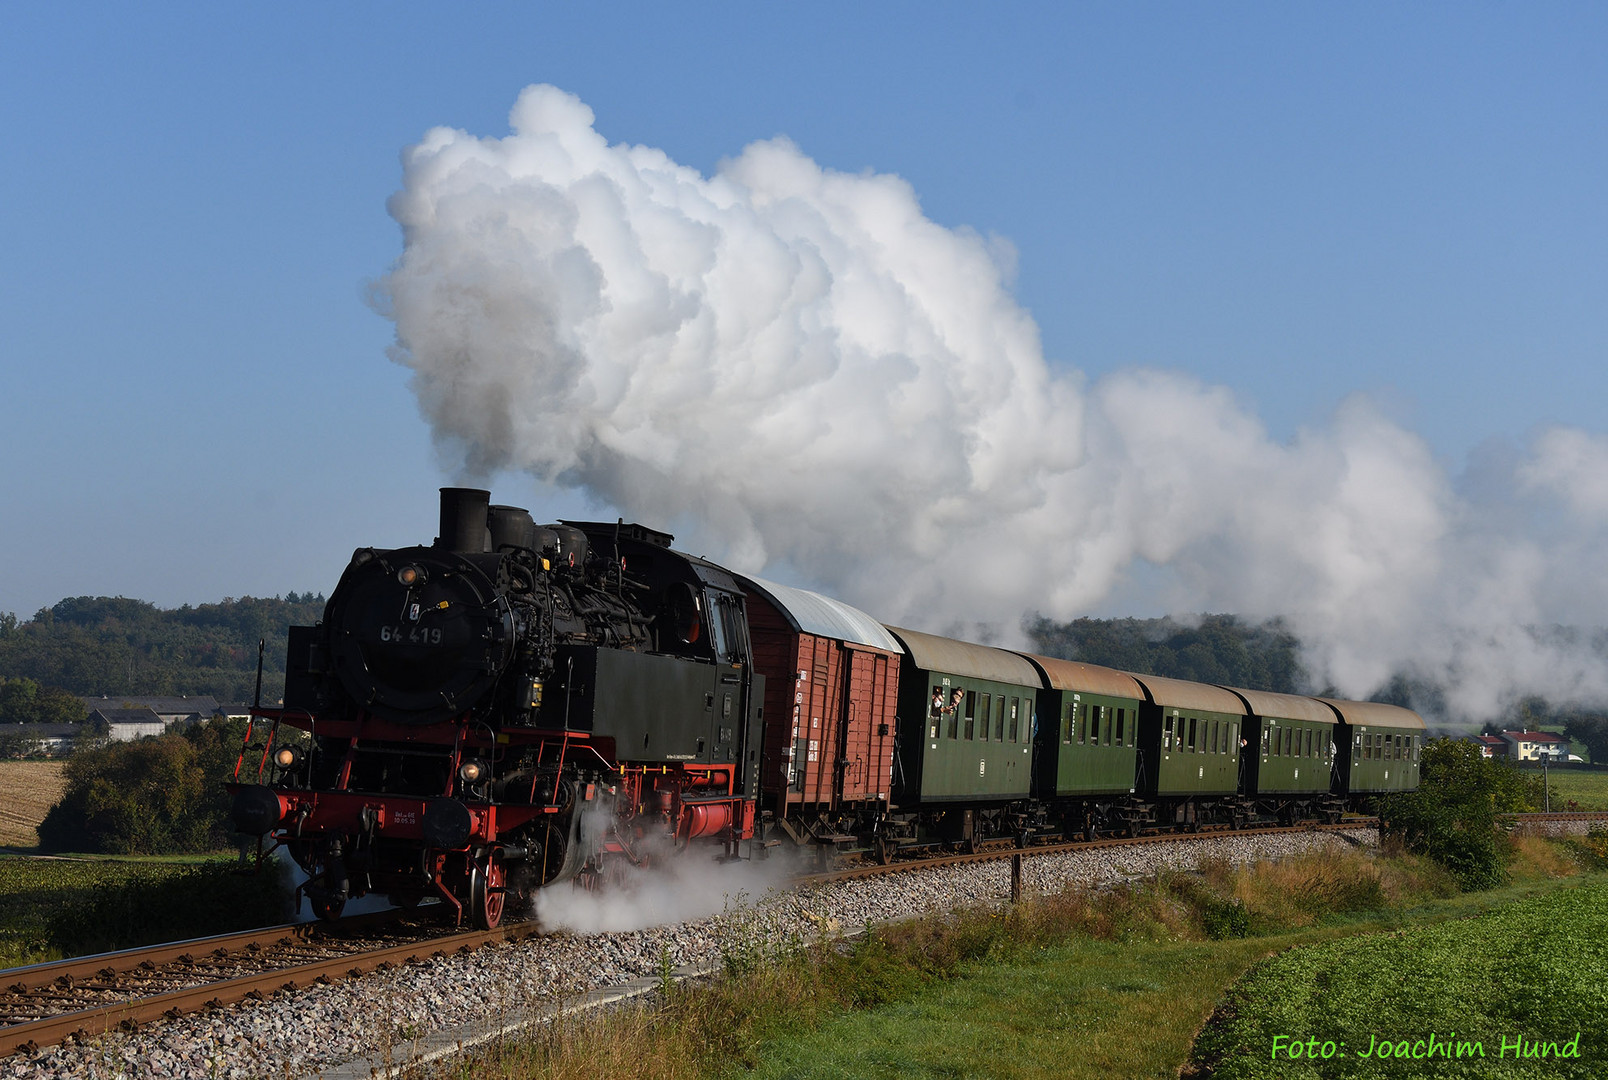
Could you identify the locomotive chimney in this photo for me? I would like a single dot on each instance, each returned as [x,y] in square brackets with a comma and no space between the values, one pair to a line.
[463,519]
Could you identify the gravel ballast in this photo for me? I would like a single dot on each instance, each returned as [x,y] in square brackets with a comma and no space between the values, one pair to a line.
[383,1016]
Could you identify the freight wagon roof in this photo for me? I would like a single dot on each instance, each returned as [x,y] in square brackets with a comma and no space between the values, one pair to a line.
[1285,706]
[1086,678]
[933,653]
[1179,694]
[811,613]
[1370,713]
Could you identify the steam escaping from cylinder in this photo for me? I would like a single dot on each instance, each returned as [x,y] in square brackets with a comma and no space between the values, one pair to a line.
[667,888]
[802,375]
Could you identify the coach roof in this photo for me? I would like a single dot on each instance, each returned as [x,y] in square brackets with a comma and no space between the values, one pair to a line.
[1198,697]
[1285,706]
[1077,676]
[1372,713]
[933,653]
[811,613]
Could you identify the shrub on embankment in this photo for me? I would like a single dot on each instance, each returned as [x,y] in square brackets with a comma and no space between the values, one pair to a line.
[1453,816]
[154,796]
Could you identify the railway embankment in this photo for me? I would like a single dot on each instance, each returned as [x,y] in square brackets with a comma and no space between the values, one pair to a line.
[384,1016]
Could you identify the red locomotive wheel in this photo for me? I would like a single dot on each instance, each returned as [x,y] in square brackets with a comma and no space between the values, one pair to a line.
[487,889]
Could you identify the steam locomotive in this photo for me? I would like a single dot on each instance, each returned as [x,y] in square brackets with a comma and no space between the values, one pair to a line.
[516,705]
[511,706]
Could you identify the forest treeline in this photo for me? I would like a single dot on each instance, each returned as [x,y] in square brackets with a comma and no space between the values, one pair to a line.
[102,645]
[1219,649]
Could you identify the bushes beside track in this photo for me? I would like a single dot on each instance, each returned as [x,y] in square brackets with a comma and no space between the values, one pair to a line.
[1452,817]
[156,796]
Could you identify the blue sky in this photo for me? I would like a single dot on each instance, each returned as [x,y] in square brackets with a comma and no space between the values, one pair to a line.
[1296,202]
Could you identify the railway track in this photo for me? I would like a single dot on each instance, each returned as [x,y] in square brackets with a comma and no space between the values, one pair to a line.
[47,1004]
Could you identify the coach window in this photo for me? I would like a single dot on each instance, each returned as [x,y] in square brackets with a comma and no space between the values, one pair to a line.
[1095,712]
[1122,724]
[985,706]
[1415,749]
[1379,747]
[954,712]
[971,714]
[1066,722]
[1233,737]
[999,720]
[1016,720]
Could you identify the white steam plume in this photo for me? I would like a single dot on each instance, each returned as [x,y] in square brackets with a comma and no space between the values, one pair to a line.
[793,367]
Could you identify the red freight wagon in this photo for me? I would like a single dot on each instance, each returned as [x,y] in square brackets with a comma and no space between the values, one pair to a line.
[831,688]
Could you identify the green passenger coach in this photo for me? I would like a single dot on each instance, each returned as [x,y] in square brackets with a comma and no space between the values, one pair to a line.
[1289,755]
[1189,737]
[965,721]
[1382,746]
[1088,739]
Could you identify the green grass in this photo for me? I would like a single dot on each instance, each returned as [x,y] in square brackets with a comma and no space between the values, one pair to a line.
[1086,1010]
[1588,788]
[1084,984]
[51,908]
[1090,1010]
[1534,968]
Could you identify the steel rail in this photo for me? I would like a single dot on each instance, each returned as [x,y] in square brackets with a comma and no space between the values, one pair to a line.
[1559,815]
[35,976]
[31,1036]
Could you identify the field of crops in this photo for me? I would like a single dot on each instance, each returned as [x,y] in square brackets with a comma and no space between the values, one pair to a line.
[1471,997]
[31,789]
[1587,789]
[50,908]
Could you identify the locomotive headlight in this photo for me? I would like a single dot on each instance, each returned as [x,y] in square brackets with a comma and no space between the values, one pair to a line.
[287,757]
[470,772]
[410,576]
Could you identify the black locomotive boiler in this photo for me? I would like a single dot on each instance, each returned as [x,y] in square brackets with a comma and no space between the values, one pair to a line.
[510,706]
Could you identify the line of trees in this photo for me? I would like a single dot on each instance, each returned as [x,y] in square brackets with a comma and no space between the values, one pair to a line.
[28,701]
[1221,649]
[113,645]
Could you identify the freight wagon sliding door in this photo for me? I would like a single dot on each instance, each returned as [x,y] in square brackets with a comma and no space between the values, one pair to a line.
[867,756]
[817,699]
